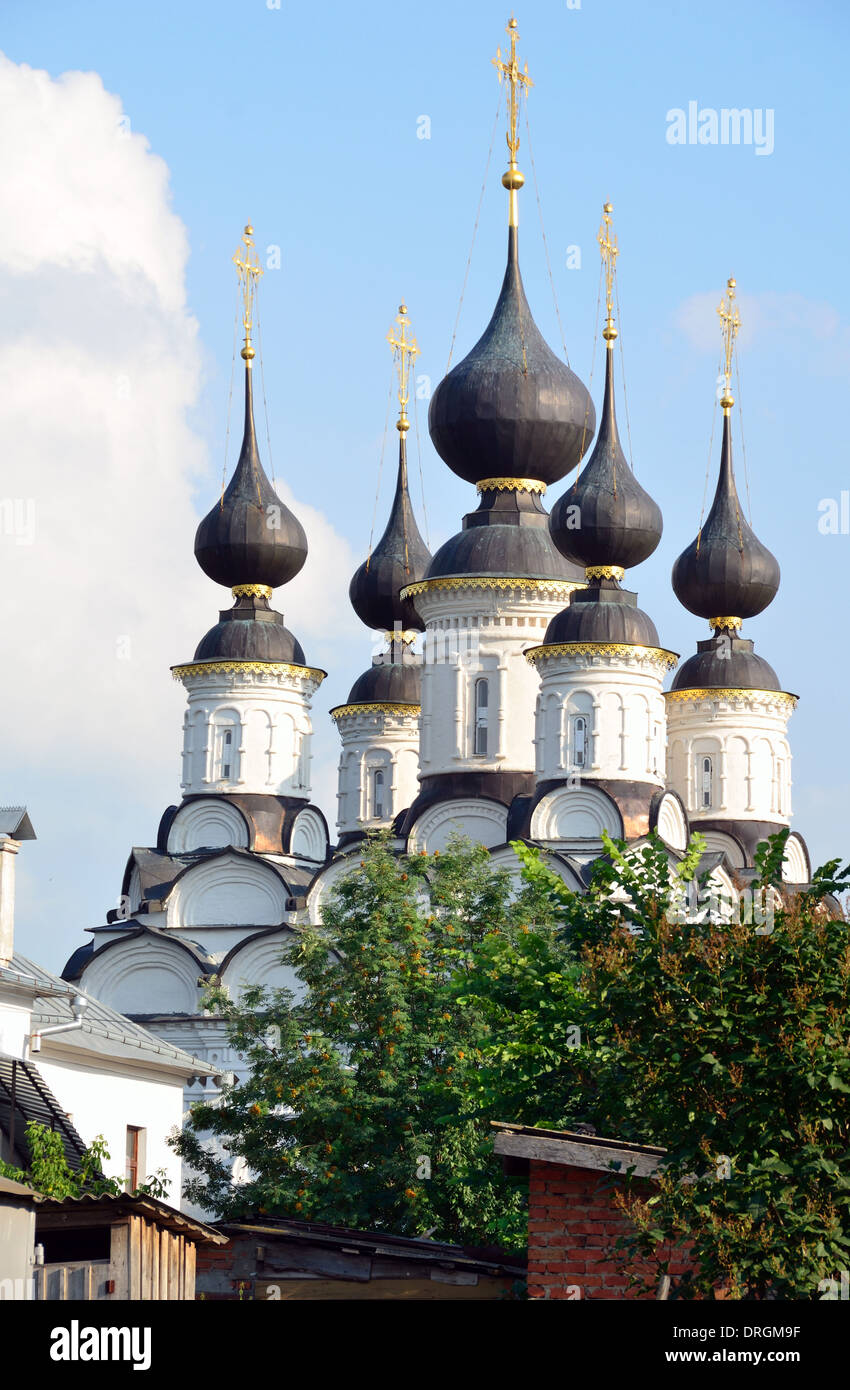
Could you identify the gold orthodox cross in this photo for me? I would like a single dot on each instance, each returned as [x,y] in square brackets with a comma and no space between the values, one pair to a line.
[730,321]
[609,251]
[249,270]
[518,80]
[405,349]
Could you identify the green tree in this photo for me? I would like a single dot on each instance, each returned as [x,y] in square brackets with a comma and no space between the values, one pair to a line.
[361,1107]
[723,1041]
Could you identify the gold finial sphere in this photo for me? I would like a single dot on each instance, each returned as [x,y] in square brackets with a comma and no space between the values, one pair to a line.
[249,230]
[247,352]
[609,208]
[513,178]
[402,308]
[731,282]
[511,23]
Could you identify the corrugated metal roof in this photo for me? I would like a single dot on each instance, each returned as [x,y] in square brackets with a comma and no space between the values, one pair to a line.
[15,822]
[104,1030]
[140,1202]
[22,1084]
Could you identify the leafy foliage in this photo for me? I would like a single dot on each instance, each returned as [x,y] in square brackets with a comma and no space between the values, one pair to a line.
[361,1106]
[726,1044]
[50,1173]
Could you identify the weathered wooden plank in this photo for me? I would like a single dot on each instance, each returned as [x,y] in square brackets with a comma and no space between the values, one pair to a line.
[135,1289]
[163,1264]
[576,1155]
[154,1261]
[189,1248]
[173,1266]
[119,1269]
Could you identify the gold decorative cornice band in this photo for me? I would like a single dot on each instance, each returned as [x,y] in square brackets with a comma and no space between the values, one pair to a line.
[251,591]
[377,707]
[730,623]
[561,588]
[604,572]
[511,485]
[233,668]
[408,637]
[780,698]
[620,649]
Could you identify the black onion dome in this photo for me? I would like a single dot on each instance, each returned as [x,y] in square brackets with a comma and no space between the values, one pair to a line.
[250,639]
[726,571]
[401,557]
[388,683]
[620,524]
[235,544]
[725,662]
[511,408]
[515,551]
[602,614]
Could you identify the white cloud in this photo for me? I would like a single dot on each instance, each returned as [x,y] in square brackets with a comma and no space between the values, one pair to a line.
[777,321]
[100,364]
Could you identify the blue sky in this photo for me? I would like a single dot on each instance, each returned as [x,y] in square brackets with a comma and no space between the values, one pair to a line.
[304,119]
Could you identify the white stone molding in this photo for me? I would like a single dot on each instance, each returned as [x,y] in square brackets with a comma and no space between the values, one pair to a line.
[482,821]
[260,960]
[795,867]
[744,733]
[672,824]
[230,890]
[309,837]
[376,738]
[208,824]
[266,707]
[618,691]
[143,975]
[571,815]
[478,630]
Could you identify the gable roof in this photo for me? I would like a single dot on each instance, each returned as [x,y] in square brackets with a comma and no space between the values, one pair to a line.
[104,1031]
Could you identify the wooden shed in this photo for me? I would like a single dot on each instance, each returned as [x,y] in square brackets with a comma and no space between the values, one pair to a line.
[117,1247]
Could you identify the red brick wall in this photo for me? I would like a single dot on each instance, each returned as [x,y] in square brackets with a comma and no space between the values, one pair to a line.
[572,1230]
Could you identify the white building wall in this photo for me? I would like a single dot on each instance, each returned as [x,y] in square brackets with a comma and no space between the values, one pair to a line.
[376,739]
[103,1098]
[248,730]
[475,632]
[743,735]
[601,715]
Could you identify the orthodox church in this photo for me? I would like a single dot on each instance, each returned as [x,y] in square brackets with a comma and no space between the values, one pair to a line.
[521,692]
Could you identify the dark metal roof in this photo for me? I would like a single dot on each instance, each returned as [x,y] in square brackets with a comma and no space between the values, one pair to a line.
[417,1248]
[250,631]
[620,524]
[727,662]
[603,612]
[515,551]
[387,682]
[726,571]
[401,557]
[511,408]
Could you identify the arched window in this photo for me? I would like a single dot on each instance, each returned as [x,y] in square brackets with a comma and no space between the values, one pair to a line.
[226,754]
[705,783]
[482,696]
[378,793]
[579,741]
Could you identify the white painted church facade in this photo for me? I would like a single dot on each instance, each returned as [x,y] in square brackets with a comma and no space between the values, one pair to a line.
[539,702]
